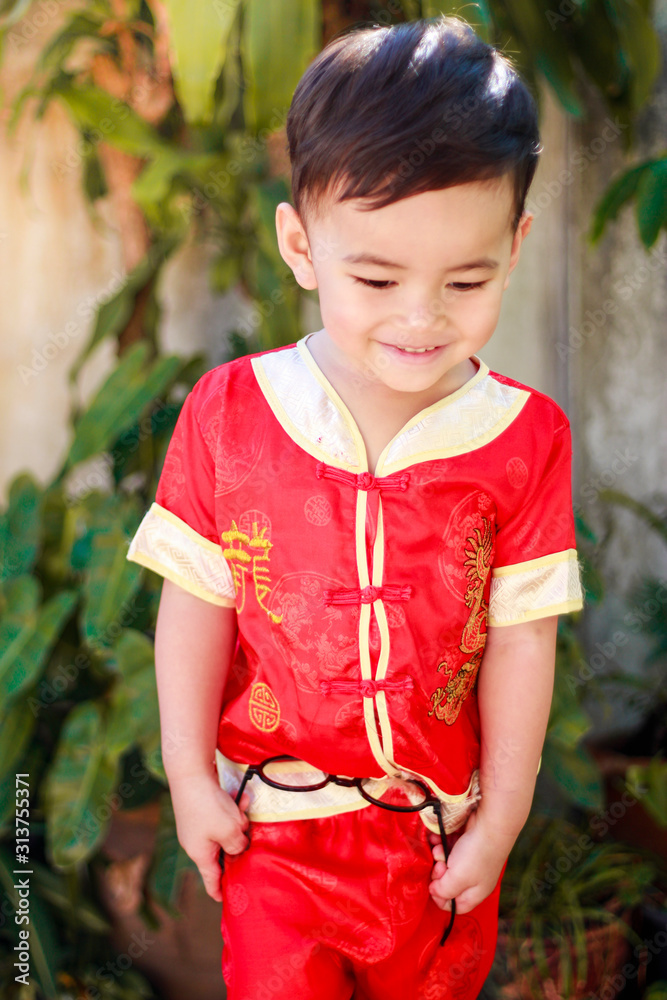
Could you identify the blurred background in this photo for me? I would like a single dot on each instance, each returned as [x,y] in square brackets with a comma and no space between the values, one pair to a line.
[142,155]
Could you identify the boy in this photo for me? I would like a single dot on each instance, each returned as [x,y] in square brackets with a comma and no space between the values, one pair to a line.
[386,524]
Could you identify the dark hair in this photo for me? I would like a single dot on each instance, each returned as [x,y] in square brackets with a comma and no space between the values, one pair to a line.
[399,110]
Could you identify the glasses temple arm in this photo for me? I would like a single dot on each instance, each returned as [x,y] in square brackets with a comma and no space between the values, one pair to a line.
[437,809]
[246,778]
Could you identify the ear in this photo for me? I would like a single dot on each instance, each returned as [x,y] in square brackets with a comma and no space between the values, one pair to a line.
[293,244]
[522,230]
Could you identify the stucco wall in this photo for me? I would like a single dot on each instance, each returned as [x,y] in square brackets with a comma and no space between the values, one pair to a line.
[617,352]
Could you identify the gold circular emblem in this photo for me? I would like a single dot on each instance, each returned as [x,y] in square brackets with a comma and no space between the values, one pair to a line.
[263,708]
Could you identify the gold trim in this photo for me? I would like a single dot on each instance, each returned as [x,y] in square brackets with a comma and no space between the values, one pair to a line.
[167,545]
[329,390]
[382,470]
[385,638]
[287,424]
[576,604]
[523,567]
[472,445]
[314,813]
[184,527]
[192,588]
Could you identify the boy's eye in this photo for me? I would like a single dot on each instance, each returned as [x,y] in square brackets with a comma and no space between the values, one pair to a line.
[373,284]
[458,286]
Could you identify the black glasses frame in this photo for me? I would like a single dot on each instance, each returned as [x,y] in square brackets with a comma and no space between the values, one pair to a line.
[430,801]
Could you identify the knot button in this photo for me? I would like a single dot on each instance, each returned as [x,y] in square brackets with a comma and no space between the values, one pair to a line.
[365,481]
[369,594]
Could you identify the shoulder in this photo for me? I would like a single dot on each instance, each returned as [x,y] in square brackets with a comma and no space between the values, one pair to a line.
[217,384]
[540,408]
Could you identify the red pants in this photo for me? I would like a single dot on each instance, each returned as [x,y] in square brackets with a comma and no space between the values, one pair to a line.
[338,907]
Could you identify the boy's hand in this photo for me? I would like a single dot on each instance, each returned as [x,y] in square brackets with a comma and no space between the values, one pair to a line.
[475,863]
[207,818]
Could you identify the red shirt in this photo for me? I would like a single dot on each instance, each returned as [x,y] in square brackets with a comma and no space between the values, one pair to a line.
[363,599]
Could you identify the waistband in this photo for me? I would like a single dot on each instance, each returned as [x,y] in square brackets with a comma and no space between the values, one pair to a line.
[274,805]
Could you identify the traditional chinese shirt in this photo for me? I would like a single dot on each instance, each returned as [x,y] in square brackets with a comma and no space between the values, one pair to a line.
[363,598]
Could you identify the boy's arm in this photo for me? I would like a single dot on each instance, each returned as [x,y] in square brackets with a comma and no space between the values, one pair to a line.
[515,686]
[194,646]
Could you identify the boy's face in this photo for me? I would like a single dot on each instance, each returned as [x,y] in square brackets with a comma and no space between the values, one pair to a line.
[450,253]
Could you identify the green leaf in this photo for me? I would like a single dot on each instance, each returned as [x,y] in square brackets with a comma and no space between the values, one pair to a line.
[22,660]
[77,787]
[17,724]
[576,774]
[114,313]
[569,726]
[169,860]
[198,37]
[648,783]
[617,194]
[53,888]
[134,715]
[224,272]
[121,401]
[639,47]
[111,581]
[20,527]
[549,50]
[652,201]
[108,117]
[94,181]
[278,41]
[79,25]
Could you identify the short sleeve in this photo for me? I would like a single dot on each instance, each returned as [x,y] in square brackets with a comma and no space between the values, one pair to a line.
[177,537]
[535,571]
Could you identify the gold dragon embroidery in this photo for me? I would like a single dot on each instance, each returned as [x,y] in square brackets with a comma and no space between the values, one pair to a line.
[446,701]
[254,562]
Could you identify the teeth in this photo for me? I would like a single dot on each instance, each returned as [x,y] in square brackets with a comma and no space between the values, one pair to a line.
[416,350]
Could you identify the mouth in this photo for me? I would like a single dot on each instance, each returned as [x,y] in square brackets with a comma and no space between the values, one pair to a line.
[422,353]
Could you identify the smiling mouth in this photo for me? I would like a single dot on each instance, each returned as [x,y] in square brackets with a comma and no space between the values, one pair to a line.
[415,350]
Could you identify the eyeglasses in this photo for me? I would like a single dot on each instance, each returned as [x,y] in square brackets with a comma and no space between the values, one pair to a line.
[269,770]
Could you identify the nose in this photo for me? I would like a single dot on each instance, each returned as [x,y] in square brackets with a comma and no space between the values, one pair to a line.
[424,311]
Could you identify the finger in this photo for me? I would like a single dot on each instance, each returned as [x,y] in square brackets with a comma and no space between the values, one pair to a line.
[434,838]
[446,887]
[211,876]
[439,869]
[235,843]
[443,904]
[438,852]
[244,804]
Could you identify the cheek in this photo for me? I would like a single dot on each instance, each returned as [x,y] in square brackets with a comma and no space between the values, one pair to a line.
[343,305]
[482,313]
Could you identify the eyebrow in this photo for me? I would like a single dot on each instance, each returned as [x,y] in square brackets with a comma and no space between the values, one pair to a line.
[483,263]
